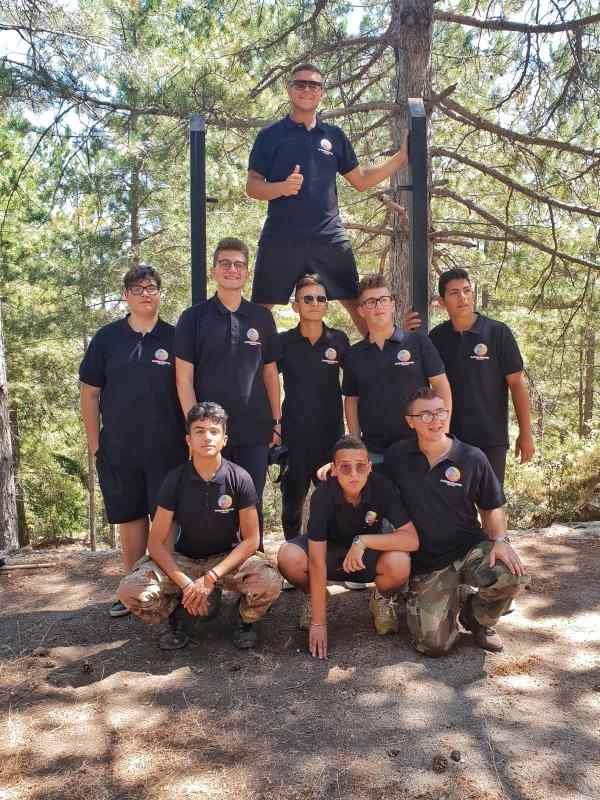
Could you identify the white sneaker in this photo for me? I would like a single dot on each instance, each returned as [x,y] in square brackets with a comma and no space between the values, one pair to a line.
[287,584]
[356,586]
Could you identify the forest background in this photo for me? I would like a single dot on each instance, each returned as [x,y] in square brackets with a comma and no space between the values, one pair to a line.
[95,100]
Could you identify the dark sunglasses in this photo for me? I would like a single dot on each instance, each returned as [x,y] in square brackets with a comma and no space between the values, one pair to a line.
[314,86]
[309,299]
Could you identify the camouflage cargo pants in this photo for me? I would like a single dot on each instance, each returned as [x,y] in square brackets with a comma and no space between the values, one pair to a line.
[151,594]
[432,605]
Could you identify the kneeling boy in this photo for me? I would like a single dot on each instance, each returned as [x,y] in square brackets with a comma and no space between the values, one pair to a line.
[214,501]
[345,541]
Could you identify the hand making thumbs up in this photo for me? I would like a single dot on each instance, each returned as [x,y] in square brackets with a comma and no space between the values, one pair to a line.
[293,183]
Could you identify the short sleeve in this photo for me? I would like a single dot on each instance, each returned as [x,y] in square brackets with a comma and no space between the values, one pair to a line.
[393,507]
[344,346]
[92,369]
[509,355]
[348,160]
[259,159]
[319,517]
[272,350]
[432,361]
[167,494]
[489,492]
[349,383]
[281,359]
[183,342]
[245,492]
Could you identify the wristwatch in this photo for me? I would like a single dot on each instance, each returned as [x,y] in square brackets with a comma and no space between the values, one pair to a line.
[357,540]
[502,539]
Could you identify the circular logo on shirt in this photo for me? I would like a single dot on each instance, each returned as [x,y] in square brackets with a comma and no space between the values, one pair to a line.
[452,474]
[252,335]
[330,354]
[403,355]
[370,517]
[326,144]
[224,501]
[480,349]
[161,355]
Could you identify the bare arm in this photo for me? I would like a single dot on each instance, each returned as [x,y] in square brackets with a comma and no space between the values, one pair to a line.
[184,376]
[259,188]
[159,546]
[351,412]
[525,444]
[440,384]
[317,575]
[271,379]
[404,540]
[494,524]
[89,397]
[363,178]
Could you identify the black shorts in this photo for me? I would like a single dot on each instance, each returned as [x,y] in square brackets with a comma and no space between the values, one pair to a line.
[280,265]
[128,493]
[336,553]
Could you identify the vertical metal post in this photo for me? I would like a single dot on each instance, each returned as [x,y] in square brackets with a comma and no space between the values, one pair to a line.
[418,261]
[198,205]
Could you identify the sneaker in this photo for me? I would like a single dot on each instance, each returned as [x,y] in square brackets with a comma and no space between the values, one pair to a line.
[287,584]
[486,638]
[244,634]
[118,609]
[384,614]
[180,626]
[356,586]
[305,619]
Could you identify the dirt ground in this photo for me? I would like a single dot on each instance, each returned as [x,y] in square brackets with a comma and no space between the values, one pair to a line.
[90,708]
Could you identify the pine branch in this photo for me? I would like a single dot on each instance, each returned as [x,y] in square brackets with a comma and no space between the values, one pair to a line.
[518,187]
[519,27]
[513,232]
[377,230]
[462,114]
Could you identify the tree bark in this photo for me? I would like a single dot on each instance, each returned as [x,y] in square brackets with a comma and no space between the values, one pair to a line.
[91,468]
[22,528]
[9,534]
[412,30]
[588,383]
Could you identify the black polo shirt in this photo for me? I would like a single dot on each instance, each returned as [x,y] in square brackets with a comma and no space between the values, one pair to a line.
[333,518]
[142,421]
[229,350]
[442,500]
[384,379]
[208,511]
[312,405]
[477,362]
[321,153]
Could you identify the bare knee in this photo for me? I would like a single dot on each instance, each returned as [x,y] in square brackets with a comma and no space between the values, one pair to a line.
[292,561]
[395,566]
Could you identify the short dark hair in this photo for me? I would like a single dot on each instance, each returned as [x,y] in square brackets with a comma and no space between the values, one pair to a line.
[305,67]
[212,412]
[349,442]
[457,273]
[230,243]
[139,273]
[375,281]
[308,280]
[424,393]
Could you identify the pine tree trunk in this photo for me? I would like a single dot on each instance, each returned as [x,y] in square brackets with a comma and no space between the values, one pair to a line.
[588,384]
[91,480]
[9,534]
[413,27]
[23,530]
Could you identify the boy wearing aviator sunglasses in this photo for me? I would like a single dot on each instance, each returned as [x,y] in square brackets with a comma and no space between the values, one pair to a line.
[346,541]
[293,166]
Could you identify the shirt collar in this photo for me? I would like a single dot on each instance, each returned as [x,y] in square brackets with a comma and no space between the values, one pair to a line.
[398,335]
[338,495]
[297,335]
[127,330]
[479,325]
[289,123]
[454,454]
[243,310]
[216,478]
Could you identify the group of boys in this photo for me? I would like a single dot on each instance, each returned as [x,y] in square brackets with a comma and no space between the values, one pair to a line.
[399,483]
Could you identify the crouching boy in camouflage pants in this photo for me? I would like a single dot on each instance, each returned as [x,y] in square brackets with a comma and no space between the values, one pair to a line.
[444,483]
[214,501]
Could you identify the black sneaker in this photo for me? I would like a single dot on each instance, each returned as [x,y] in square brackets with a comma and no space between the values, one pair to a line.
[118,609]
[244,634]
[180,626]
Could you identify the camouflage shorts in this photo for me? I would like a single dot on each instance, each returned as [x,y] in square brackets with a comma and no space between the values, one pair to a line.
[151,594]
[432,605]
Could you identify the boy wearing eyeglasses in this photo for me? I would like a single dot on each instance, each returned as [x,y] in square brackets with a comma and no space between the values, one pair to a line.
[313,356]
[346,541]
[131,413]
[293,166]
[226,351]
[447,487]
[383,369]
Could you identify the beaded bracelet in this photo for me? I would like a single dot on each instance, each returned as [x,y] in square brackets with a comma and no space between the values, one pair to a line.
[318,624]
